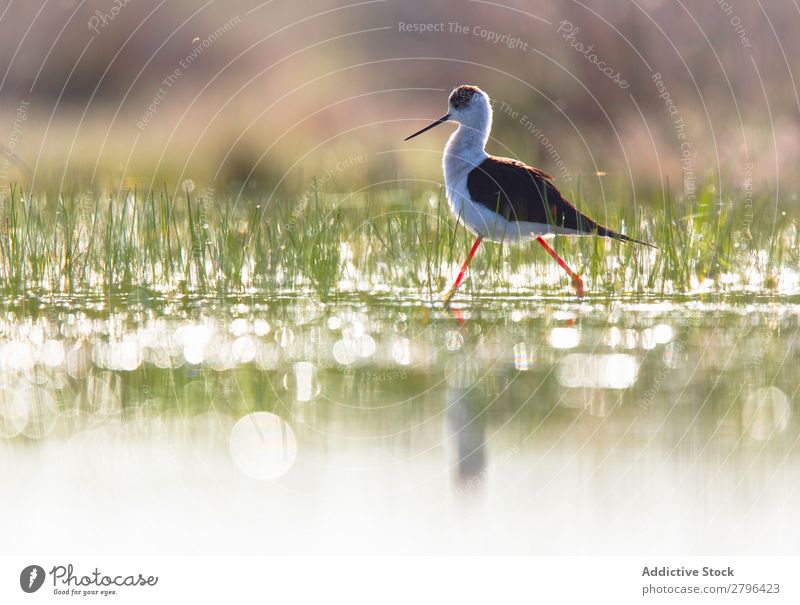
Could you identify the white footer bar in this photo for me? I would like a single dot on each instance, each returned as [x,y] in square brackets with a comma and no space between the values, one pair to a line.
[390,579]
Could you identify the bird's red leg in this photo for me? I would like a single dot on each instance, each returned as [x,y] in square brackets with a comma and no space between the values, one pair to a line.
[576,279]
[463,271]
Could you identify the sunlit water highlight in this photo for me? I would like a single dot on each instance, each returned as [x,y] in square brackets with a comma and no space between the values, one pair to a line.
[286,424]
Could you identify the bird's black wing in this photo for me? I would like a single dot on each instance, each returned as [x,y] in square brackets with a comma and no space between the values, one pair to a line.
[522,193]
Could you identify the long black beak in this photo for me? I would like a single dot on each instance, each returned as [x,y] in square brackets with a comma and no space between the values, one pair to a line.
[444,118]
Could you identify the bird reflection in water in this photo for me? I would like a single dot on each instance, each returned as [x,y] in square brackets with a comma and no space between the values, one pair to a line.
[466,407]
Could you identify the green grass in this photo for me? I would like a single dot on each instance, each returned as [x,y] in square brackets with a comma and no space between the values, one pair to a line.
[407,241]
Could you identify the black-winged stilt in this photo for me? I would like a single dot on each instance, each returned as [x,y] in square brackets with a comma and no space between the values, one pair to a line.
[500,199]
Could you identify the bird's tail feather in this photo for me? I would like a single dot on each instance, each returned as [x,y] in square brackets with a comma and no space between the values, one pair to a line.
[605,232]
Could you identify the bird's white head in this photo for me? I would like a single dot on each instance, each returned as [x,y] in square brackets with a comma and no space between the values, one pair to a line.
[469,106]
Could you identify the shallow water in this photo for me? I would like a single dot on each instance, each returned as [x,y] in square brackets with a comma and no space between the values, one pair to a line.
[148,424]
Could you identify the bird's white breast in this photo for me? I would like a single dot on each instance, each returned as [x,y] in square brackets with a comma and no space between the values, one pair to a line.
[460,158]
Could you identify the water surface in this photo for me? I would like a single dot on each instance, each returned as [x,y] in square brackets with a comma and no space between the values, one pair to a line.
[145,423]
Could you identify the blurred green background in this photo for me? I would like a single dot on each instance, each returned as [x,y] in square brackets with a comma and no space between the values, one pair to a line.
[105,95]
